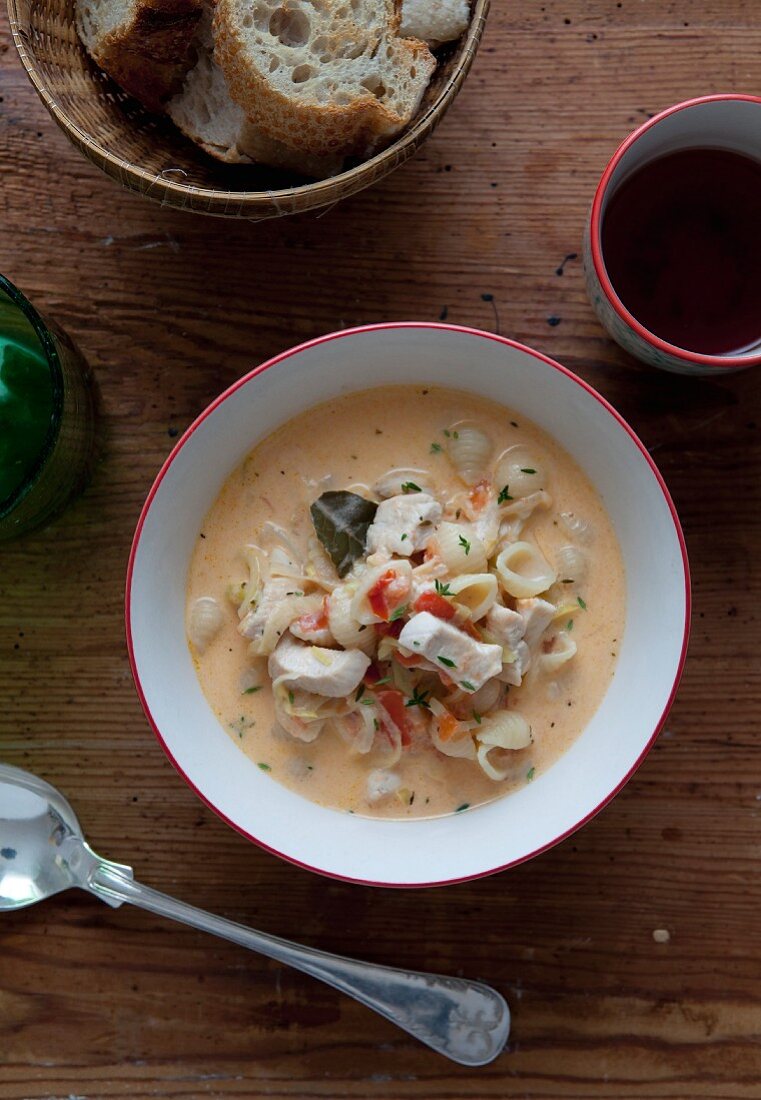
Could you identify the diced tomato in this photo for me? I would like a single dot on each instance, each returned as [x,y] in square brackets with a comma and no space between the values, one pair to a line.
[392,702]
[411,661]
[385,629]
[480,494]
[388,593]
[372,675]
[436,604]
[314,620]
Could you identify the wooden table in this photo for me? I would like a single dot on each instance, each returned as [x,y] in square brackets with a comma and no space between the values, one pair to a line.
[169,309]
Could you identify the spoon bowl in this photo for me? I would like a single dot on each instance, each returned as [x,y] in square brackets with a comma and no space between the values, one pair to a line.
[34,821]
[43,851]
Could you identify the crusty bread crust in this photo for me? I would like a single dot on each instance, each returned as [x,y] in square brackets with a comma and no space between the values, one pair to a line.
[357,126]
[151,52]
[205,113]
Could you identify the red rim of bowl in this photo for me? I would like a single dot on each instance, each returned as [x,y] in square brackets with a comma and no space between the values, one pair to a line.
[340,336]
[727,362]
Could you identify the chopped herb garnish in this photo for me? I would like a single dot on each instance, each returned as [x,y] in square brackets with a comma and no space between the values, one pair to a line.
[368,702]
[385,680]
[476,717]
[360,693]
[446,661]
[410,487]
[567,580]
[569,625]
[419,699]
[264,767]
[581,603]
[296,592]
[442,589]
[530,774]
[504,494]
[527,470]
[464,544]
[467,685]
[435,448]
[447,433]
[403,538]
[465,806]
[455,435]
[458,513]
[376,723]
[291,697]
[399,612]
[252,690]
[416,643]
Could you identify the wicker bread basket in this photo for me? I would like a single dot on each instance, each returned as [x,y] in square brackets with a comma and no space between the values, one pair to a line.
[145,153]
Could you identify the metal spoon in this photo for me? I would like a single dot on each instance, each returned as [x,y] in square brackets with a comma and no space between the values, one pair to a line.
[43,851]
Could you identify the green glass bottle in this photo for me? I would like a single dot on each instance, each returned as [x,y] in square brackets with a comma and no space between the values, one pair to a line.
[47,416]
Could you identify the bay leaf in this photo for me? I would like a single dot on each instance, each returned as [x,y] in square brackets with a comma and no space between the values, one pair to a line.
[341,520]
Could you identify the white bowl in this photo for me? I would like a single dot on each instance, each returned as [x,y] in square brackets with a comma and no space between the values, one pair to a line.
[489,838]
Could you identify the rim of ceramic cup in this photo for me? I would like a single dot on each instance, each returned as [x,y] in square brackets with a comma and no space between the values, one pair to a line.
[728,362]
[230,392]
[48,348]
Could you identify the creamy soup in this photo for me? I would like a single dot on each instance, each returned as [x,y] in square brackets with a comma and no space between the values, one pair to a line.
[406,602]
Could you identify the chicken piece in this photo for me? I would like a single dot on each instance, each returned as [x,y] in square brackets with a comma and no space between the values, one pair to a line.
[465,661]
[537,615]
[313,627]
[486,526]
[381,783]
[519,631]
[403,524]
[333,673]
[483,512]
[253,623]
[507,626]
[514,671]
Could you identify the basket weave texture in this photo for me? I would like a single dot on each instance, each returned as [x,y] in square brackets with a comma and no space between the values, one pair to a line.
[145,152]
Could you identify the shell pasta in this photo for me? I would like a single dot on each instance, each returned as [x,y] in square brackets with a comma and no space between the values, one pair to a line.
[411,629]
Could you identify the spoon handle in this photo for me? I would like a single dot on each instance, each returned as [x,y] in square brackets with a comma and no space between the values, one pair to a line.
[467,1021]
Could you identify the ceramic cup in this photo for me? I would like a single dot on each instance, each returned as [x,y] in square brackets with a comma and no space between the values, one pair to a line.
[720,122]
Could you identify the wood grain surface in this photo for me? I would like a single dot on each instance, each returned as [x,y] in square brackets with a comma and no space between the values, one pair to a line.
[170,308]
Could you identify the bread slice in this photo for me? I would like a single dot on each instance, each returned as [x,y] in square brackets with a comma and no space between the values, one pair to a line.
[205,113]
[330,75]
[435,21]
[145,45]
